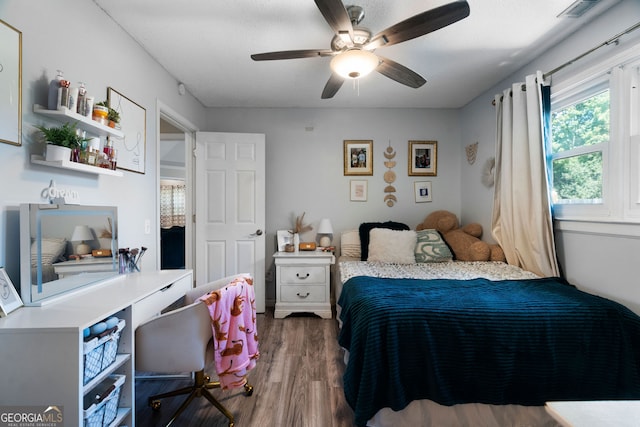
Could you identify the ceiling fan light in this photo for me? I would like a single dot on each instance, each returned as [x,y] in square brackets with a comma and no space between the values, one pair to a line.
[354,63]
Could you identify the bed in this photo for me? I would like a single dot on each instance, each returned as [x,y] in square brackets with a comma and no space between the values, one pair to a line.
[450,333]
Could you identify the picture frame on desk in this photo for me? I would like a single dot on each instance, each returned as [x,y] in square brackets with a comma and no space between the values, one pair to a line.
[9,298]
[284,237]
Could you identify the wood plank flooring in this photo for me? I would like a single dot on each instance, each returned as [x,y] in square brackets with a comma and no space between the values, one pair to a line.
[298,382]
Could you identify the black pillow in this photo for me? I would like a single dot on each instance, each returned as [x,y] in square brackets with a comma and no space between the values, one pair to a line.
[366,227]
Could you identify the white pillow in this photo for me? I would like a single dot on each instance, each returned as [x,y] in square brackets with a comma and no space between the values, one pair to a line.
[350,243]
[52,250]
[392,246]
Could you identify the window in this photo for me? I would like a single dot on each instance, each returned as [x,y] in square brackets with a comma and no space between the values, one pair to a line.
[580,139]
[172,204]
[595,143]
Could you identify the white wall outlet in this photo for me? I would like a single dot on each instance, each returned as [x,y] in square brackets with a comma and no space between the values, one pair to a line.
[147,226]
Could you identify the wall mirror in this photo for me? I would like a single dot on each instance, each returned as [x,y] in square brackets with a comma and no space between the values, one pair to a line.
[64,248]
[10,84]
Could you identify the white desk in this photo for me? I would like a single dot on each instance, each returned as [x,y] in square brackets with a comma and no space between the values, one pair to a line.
[41,350]
[600,413]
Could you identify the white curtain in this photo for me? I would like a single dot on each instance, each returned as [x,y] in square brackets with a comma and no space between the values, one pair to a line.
[521,221]
[172,205]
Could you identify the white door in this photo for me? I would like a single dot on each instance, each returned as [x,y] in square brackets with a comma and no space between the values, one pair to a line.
[230,208]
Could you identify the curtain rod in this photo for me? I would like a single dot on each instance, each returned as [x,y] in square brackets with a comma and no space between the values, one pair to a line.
[612,40]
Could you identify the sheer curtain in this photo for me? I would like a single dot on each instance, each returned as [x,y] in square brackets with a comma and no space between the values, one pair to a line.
[521,221]
[172,205]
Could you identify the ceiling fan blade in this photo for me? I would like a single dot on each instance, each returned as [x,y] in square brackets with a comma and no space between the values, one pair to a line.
[333,85]
[292,54]
[336,16]
[399,73]
[421,24]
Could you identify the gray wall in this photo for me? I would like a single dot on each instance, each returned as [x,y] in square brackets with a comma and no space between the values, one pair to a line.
[305,167]
[598,257]
[62,35]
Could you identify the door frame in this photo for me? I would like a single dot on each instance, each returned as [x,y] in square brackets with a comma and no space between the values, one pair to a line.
[166,113]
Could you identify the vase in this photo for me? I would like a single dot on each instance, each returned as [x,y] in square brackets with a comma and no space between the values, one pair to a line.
[57,153]
[296,242]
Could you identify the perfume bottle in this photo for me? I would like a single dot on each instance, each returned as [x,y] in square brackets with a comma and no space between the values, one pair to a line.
[54,92]
[80,103]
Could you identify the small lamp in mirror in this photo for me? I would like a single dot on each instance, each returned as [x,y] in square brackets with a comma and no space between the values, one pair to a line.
[325,232]
[82,233]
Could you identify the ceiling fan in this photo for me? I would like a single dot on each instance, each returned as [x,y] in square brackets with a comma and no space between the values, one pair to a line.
[352,46]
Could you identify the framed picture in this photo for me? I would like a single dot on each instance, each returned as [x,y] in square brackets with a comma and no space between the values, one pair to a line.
[9,298]
[422,191]
[283,238]
[358,158]
[423,158]
[358,190]
[130,150]
[10,84]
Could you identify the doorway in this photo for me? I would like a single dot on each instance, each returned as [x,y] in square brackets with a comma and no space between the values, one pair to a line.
[175,189]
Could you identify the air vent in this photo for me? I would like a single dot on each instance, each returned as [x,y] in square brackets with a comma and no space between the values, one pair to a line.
[578,8]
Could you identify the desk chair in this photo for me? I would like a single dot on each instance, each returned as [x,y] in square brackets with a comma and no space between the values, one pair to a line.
[181,341]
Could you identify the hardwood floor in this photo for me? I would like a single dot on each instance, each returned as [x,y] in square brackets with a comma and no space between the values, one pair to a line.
[298,382]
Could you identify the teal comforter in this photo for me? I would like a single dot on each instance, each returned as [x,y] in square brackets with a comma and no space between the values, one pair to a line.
[497,342]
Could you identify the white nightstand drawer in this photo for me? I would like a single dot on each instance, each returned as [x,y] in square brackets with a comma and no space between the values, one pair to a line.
[303,275]
[292,293]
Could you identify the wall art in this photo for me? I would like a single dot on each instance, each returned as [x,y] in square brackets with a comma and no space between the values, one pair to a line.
[130,150]
[423,158]
[10,84]
[358,157]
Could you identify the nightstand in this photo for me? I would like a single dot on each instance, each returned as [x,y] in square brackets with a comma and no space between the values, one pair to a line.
[303,283]
[85,265]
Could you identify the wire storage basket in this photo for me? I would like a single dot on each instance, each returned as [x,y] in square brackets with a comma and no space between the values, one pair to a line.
[101,403]
[100,351]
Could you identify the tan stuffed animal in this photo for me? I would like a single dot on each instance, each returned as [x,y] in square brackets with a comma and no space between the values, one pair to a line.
[464,242]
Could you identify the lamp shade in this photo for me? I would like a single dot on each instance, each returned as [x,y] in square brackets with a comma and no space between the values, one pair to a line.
[81,233]
[325,231]
[354,63]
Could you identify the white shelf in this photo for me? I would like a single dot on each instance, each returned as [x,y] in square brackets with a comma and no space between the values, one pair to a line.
[68,164]
[85,123]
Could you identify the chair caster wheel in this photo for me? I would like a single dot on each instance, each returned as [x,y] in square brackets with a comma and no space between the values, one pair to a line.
[155,405]
[248,390]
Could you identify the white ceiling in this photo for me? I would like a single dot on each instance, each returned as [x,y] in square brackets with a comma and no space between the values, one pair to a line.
[206,44]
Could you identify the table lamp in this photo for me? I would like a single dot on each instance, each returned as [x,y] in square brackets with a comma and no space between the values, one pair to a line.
[325,231]
[80,234]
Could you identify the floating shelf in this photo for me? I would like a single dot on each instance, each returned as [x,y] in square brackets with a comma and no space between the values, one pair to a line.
[85,123]
[68,164]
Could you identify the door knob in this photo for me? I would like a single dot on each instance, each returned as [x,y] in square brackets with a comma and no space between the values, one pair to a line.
[257,233]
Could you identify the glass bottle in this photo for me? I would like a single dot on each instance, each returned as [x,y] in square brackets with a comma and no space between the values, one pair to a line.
[63,99]
[80,103]
[54,92]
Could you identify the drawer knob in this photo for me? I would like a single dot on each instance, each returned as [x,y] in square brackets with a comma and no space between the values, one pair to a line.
[303,296]
[302,277]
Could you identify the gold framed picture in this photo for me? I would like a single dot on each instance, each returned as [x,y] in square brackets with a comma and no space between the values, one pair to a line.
[10,84]
[358,157]
[423,158]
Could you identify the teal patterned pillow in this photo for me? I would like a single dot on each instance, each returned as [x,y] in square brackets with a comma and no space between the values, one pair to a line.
[431,247]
